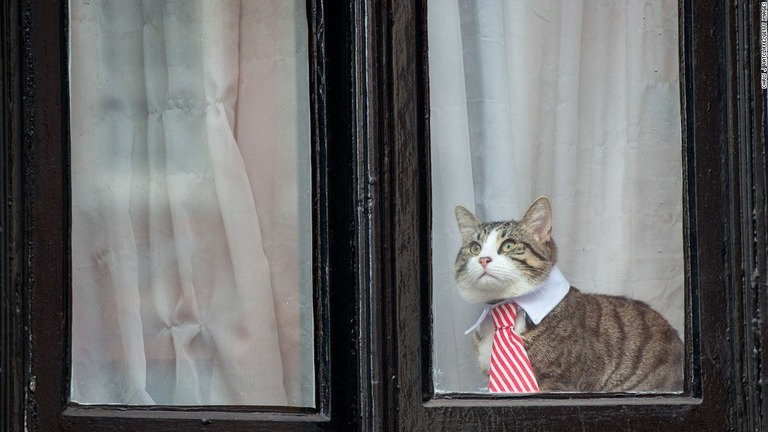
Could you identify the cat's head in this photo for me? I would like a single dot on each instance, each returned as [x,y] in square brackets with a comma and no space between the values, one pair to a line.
[500,260]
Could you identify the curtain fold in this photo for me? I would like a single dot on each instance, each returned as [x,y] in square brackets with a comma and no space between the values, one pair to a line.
[576,100]
[176,293]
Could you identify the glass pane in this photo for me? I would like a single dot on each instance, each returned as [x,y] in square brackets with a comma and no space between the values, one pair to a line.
[191,217]
[578,102]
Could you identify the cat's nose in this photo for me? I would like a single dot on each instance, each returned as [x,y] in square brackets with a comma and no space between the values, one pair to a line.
[484,261]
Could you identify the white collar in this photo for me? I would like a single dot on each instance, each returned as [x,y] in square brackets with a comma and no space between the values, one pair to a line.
[536,304]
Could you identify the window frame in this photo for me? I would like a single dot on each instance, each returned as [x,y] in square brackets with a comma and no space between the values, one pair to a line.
[724,200]
[370,117]
[37,170]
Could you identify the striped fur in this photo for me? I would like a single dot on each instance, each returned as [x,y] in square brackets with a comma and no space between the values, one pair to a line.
[589,342]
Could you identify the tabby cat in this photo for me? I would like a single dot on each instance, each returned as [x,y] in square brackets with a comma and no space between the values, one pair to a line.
[584,342]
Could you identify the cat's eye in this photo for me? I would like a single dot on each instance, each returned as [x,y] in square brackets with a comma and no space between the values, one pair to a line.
[474,248]
[511,247]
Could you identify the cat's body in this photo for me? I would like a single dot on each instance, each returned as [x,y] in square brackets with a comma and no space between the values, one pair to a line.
[588,342]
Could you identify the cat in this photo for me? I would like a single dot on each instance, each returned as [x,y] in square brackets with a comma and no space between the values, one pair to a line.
[587,342]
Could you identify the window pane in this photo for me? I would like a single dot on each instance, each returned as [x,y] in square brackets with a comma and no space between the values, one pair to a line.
[577,101]
[191,217]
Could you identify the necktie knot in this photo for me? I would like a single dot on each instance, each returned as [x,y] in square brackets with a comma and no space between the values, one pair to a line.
[504,316]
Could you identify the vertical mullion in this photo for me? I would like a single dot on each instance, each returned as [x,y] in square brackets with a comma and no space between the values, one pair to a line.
[749,106]
[319,206]
[11,293]
[43,211]
[365,120]
[409,315]
[341,155]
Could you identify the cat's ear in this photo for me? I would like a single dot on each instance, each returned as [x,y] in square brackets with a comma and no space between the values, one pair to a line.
[538,219]
[468,222]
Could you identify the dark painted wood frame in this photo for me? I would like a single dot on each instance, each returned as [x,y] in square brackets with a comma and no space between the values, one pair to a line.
[370,117]
[36,243]
[725,211]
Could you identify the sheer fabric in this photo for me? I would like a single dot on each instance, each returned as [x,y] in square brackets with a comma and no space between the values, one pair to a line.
[576,100]
[191,230]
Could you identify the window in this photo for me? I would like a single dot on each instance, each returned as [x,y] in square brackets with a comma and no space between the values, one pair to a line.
[191,225]
[579,103]
[713,143]
[369,105]
[51,43]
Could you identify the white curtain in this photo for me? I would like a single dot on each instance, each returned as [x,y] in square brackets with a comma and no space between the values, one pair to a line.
[191,229]
[576,100]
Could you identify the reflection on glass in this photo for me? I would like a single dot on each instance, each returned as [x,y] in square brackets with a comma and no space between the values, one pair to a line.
[191,220]
[579,102]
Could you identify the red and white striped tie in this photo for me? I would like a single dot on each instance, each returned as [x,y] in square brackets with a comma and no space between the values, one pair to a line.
[511,370]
